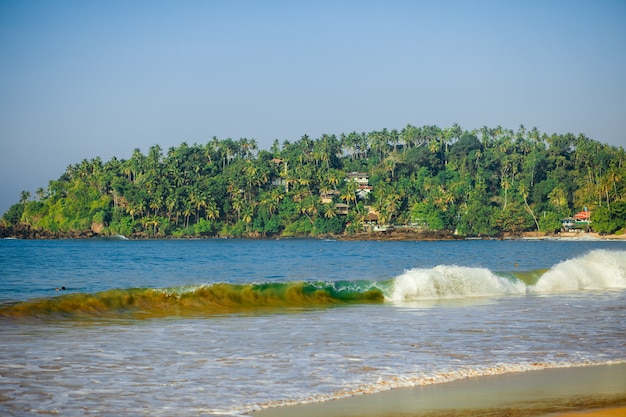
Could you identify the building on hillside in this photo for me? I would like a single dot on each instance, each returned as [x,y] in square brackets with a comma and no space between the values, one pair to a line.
[329,196]
[280,181]
[362,181]
[342,208]
[361,178]
[371,218]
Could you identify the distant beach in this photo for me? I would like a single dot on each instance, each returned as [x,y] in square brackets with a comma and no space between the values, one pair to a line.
[408,235]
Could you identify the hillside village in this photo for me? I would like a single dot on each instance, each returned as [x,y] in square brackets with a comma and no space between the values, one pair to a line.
[430,181]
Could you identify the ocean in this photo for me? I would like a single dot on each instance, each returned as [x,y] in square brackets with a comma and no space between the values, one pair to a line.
[226,327]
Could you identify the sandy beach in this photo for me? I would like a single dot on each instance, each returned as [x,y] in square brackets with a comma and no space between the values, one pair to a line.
[606,412]
[590,391]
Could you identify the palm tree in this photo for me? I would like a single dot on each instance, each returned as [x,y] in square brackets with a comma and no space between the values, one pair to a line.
[506,185]
[612,178]
[270,200]
[170,202]
[524,192]
[24,196]
[329,211]
[249,171]
[238,203]
[277,196]
[307,207]
[349,193]
[136,164]
[379,142]
[155,204]
[247,214]
[558,198]
[187,210]
[332,177]
[211,211]
[392,161]
[199,200]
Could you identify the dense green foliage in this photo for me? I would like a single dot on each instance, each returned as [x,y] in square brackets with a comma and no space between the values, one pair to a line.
[480,182]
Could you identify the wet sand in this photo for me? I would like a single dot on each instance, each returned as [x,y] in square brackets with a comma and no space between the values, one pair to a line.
[550,392]
[607,412]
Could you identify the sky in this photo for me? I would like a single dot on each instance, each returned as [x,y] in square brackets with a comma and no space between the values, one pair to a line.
[82,79]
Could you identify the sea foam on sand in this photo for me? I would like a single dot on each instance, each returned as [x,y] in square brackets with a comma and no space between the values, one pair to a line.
[533,393]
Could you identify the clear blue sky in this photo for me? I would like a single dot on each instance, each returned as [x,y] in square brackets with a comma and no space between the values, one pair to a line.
[80,79]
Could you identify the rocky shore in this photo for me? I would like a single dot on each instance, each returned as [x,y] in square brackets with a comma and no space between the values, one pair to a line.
[23,231]
[26,232]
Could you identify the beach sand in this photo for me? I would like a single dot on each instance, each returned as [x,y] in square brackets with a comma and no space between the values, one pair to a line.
[606,412]
[550,392]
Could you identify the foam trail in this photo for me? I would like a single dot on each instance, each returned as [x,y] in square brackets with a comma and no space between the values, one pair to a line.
[597,270]
[450,281]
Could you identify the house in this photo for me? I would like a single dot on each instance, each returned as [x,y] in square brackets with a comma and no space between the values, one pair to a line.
[279,182]
[362,181]
[583,216]
[371,222]
[581,220]
[342,208]
[361,178]
[567,224]
[328,196]
[371,218]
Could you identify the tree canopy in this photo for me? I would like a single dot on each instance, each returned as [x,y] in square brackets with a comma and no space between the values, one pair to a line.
[477,183]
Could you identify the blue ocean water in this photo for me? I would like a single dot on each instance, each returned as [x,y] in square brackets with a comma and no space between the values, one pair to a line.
[223,327]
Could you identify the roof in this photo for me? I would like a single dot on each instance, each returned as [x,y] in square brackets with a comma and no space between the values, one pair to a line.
[371,217]
[582,215]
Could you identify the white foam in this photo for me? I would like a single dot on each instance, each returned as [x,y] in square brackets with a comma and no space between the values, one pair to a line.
[598,270]
[451,281]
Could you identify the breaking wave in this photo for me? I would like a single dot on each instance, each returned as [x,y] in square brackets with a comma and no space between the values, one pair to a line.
[598,270]
[446,281]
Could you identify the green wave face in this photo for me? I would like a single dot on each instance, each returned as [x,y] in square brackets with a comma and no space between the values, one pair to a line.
[528,277]
[210,299]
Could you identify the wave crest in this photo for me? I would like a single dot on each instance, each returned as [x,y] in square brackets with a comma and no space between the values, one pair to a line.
[445,281]
[598,270]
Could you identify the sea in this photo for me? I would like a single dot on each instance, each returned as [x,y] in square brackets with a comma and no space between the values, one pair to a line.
[224,327]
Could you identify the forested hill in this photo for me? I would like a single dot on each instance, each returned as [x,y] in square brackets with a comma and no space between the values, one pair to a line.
[429,179]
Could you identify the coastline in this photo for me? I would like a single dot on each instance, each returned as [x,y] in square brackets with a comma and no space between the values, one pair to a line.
[399,234]
[564,392]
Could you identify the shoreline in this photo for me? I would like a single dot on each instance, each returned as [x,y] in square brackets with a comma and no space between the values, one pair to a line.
[551,392]
[398,235]
[602,412]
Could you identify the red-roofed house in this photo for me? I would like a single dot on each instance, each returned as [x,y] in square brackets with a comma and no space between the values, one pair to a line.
[583,216]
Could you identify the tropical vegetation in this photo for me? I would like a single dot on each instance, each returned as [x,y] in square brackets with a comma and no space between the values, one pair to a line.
[483,182]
